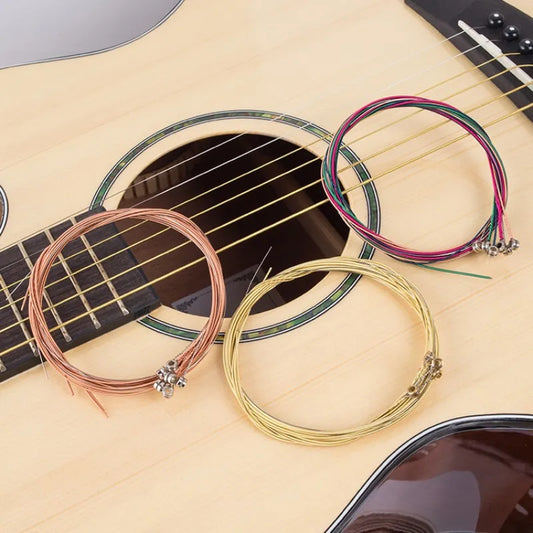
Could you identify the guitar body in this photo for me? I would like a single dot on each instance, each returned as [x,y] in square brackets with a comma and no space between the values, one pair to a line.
[195,463]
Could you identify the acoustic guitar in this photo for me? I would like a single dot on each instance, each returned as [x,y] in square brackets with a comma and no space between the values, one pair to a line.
[223,112]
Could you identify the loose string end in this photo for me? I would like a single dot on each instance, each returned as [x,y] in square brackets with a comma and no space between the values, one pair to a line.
[98,404]
[70,387]
[25,299]
[448,271]
[42,363]
[267,274]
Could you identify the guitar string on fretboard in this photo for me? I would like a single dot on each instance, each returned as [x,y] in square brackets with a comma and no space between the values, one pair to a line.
[98,263]
[230,245]
[212,207]
[18,341]
[294,192]
[13,288]
[419,72]
[137,183]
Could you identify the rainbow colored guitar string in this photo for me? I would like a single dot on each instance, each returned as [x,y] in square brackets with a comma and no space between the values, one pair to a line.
[489,238]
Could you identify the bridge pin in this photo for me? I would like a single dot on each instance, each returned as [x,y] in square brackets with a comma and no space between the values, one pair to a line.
[495,20]
[511,32]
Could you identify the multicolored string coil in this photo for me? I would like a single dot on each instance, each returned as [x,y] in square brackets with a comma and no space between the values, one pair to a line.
[489,238]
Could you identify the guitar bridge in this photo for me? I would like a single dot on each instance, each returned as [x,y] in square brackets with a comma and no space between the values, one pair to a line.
[466,24]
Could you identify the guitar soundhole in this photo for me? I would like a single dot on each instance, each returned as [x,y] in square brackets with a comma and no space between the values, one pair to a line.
[216,180]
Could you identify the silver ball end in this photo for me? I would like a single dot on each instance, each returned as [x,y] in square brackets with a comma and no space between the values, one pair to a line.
[514,244]
[171,365]
[171,378]
[168,391]
[493,250]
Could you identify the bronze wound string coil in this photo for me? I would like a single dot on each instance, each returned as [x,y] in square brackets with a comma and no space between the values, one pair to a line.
[173,373]
[429,370]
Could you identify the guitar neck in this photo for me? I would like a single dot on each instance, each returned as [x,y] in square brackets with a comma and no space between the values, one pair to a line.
[91,272]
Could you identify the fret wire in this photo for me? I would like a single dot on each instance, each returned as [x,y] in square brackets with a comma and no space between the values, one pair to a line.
[21,322]
[277,223]
[103,273]
[296,168]
[46,296]
[474,68]
[311,184]
[79,292]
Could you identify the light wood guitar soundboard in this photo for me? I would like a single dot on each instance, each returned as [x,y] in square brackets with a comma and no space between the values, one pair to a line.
[194,463]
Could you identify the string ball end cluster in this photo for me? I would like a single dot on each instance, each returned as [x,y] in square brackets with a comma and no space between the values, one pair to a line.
[500,247]
[168,379]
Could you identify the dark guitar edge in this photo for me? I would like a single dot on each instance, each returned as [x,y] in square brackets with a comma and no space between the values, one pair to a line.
[443,429]
[102,50]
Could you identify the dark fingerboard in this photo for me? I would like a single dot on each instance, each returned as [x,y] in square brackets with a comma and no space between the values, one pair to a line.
[74,273]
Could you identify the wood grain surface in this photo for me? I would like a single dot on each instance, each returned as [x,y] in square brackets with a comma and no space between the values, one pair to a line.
[195,463]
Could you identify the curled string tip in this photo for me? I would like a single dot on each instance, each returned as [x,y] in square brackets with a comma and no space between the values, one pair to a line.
[25,299]
[98,404]
[70,387]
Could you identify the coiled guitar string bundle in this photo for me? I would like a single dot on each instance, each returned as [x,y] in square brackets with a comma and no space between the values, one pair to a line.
[278,429]
[173,373]
[170,375]
[491,237]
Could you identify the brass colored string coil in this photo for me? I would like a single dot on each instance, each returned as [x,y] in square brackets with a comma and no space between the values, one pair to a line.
[170,375]
[429,370]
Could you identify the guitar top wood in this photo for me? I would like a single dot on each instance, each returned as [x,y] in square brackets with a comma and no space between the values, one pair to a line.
[194,463]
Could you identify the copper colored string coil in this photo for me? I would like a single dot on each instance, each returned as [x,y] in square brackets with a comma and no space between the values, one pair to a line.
[177,367]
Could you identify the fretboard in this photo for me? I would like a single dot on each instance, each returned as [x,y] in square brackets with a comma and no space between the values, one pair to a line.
[79,267]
